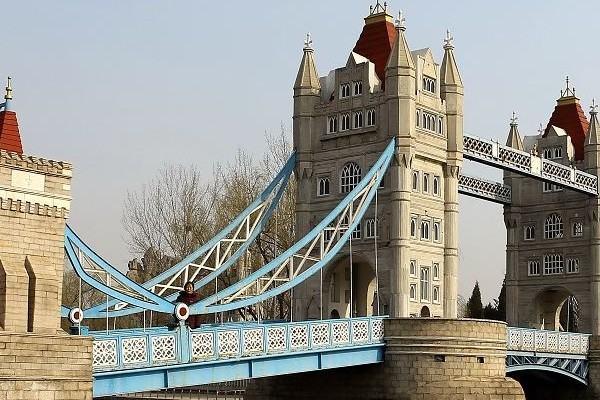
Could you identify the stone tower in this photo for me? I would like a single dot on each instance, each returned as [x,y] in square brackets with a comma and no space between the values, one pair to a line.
[553,235]
[342,123]
[39,360]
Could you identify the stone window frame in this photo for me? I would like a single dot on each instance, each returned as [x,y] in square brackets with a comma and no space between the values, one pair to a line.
[426,177]
[572,265]
[553,264]
[577,228]
[425,229]
[332,124]
[437,231]
[429,84]
[424,283]
[435,294]
[371,228]
[533,267]
[371,117]
[345,122]
[436,185]
[344,90]
[414,223]
[415,181]
[412,292]
[350,176]
[323,186]
[357,119]
[412,269]
[553,227]
[436,271]
[357,88]
[529,232]
[548,187]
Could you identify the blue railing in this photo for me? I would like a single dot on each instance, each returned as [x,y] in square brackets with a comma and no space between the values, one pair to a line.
[138,348]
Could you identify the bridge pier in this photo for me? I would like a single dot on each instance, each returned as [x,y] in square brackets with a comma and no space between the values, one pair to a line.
[424,359]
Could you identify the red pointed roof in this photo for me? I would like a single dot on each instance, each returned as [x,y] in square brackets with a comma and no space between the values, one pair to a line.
[569,116]
[10,139]
[376,41]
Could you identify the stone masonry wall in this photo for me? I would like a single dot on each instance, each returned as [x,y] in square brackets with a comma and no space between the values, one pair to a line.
[424,359]
[45,367]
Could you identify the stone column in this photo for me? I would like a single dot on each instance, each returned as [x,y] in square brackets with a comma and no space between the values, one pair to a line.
[400,233]
[450,240]
[595,265]
[512,269]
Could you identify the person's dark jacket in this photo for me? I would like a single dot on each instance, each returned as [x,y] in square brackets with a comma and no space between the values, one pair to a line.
[190,298]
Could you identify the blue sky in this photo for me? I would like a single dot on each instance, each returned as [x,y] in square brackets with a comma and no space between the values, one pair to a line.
[121,88]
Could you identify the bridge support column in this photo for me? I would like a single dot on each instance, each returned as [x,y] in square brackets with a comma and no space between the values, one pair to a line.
[451,241]
[424,359]
[38,360]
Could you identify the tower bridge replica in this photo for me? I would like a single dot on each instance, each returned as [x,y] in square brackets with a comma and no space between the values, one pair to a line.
[378,153]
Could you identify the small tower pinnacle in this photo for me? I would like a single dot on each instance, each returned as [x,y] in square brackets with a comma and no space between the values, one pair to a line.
[401,21]
[514,138]
[308,42]
[448,40]
[593,136]
[308,77]
[449,69]
[8,95]
[568,92]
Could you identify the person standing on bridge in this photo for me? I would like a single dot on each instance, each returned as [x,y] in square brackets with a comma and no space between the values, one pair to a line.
[189,297]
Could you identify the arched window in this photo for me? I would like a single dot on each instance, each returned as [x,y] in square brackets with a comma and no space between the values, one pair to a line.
[413,227]
[413,291]
[424,283]
[436,271]
[533,267]
[350,177]
[371,117]
[436,231]
[333,121]
[344,90]
[323,187]
[436,185]
[424,121]
[529,232]
[425,230]
[440,131]
[436,294]
[432,127]
[358,119]
[577,229]
[418,118]
[345,122]
[425,183]
[553,227]
[572,265]
[415,180]
[553,264]
[357,88]
[371,228]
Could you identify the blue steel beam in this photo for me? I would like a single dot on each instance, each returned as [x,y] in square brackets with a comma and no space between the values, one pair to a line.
[210,304]
[99,311]
[200,373]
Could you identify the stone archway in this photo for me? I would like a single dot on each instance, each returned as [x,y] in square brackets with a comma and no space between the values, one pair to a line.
[336,288]
[425,313]
[556,308]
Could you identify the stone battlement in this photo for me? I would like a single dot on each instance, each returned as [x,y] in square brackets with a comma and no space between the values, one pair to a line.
[35,163]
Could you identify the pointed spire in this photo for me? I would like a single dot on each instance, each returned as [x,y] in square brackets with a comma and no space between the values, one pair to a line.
[400,56]
[593,134]
[10,138]
[449,69]
[514,138]
[308,77]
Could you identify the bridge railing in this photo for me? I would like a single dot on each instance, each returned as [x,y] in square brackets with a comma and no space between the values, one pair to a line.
[138,348]
[490,152]
[555,342]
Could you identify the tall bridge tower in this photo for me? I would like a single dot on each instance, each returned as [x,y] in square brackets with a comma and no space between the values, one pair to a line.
[342,122]
[38,359]
[553,234]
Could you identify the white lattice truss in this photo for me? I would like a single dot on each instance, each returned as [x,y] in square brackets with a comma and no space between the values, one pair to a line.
[219,343]
[212,260]
[314,252]
[485,189]
[555,342]
[505,157]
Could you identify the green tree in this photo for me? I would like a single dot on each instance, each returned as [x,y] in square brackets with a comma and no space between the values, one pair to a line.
[474,305]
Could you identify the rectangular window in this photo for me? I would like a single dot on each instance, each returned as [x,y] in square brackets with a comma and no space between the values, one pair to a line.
[572,265]
[424,283]
[553,264]
[533,267]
